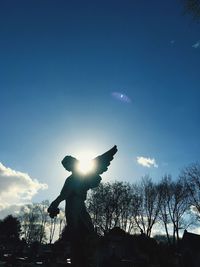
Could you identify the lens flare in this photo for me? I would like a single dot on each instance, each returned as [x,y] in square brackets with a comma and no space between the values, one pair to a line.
[121,97]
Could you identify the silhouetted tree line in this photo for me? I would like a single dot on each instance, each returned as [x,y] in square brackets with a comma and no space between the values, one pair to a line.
[172,205]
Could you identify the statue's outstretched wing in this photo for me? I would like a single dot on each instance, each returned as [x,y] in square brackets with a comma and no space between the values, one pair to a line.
[103,161]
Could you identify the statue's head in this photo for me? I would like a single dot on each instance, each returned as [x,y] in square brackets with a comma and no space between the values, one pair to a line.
[69,163]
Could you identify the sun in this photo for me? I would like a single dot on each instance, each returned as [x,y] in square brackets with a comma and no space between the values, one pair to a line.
[85,166]
[86,163]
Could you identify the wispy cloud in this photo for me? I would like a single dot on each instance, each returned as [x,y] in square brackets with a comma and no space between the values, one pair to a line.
[196,45]
[147,162]
[17,187]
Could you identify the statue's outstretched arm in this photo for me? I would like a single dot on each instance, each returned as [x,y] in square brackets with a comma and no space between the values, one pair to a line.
[57,201]
[53,208]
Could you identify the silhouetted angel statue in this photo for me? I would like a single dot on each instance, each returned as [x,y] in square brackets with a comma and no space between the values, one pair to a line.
[74,192]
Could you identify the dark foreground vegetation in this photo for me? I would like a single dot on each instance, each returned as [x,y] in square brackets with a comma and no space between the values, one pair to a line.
[115,249]
[126,217]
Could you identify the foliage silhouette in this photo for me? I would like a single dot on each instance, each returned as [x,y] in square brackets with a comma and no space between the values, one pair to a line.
[10,229]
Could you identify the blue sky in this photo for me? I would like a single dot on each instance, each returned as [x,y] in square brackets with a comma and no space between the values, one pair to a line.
[60,62]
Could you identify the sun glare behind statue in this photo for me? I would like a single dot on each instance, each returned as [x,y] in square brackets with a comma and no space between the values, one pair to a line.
[86,164]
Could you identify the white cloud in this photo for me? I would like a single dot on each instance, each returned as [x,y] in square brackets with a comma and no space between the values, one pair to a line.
[17,187]
[6,210]
[196,45]
[147,162]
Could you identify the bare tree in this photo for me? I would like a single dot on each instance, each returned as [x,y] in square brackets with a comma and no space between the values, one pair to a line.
[99,208]
[178,206]
[61,222]
[109,206]
[145,205]
[52,227]
[174,205]
[191,175]
[126,221]
[34,218]
[165,195]
[43,218]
